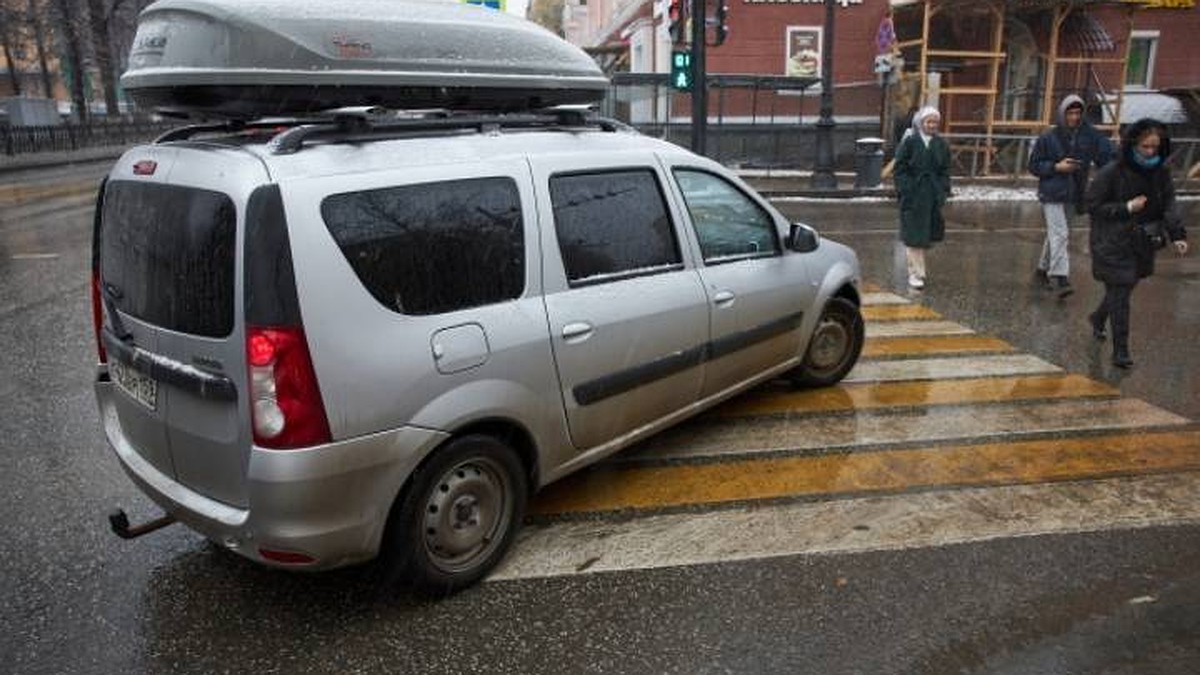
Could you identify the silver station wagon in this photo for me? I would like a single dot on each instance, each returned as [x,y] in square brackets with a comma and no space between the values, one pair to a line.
[369,334]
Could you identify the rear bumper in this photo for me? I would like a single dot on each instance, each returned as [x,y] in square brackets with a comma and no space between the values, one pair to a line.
[329,502]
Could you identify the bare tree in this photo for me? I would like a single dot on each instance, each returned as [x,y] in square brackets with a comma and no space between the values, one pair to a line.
[100,14]
[37,26]
[10,38]
[68,20]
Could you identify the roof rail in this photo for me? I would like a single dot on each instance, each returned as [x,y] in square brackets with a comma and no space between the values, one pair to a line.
[346,125]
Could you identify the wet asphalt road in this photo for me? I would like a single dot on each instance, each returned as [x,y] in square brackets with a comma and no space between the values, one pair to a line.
[982,276]
[77,600]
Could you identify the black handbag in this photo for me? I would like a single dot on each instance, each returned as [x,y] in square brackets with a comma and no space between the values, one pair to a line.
[1155,233]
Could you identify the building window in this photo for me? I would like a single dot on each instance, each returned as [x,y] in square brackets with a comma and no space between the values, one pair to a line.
[1139,72]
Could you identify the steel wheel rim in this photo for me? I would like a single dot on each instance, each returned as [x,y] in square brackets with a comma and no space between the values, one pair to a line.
[466,514]
[830,345]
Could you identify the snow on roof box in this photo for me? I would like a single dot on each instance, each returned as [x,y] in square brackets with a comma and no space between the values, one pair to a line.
[254,58]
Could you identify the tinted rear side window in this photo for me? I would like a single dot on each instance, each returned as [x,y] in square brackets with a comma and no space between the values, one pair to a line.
[167,255]
[434,247]
[612,225]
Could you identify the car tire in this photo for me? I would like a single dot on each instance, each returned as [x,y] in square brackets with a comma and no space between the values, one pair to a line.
[834,347]
[457,517]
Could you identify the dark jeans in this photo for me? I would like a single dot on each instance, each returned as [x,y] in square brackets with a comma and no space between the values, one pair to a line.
[1115,308]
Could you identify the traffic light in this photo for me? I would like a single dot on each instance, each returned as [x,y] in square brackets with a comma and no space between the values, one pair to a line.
[722,30]
[681,70]
[677,22]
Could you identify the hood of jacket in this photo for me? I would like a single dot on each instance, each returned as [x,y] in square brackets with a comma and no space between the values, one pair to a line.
[1130,137]
[1068,101]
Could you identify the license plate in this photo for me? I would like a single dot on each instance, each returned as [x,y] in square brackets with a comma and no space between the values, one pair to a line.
[140,387]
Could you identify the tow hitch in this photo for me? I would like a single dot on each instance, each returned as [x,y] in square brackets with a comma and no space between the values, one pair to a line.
[120,525]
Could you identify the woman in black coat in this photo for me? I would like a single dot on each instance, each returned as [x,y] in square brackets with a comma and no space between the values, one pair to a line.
[1129,200]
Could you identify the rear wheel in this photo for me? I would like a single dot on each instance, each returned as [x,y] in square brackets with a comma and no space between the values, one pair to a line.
[458,516]
[835,345]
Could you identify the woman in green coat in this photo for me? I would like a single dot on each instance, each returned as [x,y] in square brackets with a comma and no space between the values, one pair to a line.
[922,176]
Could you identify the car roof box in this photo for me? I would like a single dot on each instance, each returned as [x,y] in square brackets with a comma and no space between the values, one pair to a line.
[244,59]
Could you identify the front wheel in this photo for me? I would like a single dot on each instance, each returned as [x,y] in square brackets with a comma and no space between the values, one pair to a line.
[457,517]
[835,345]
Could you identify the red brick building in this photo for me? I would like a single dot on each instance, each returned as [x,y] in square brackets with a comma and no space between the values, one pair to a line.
[1014,58]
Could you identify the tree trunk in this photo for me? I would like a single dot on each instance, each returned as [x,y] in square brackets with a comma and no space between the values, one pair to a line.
[14,78]
[74,54]
[102,49]
[39,39]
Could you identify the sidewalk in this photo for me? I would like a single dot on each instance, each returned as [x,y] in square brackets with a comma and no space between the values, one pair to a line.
[42,160]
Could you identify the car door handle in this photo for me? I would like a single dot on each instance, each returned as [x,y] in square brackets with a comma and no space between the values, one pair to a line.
[723,298]
[576,331]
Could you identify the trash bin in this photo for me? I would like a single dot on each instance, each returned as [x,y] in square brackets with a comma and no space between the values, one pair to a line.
[868,162]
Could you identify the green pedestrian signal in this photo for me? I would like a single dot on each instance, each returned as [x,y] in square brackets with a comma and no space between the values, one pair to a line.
[681,70]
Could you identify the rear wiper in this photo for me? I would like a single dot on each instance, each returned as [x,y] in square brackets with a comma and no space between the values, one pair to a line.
[110,293]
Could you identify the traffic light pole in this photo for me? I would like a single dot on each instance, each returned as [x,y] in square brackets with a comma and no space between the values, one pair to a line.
[823,177]
[699,79]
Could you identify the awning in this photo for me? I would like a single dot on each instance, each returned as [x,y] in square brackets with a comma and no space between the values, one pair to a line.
[1088,34]
[1138,104]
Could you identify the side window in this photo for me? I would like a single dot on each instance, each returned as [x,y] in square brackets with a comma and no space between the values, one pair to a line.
[612,225]
[433,247]
[729,225]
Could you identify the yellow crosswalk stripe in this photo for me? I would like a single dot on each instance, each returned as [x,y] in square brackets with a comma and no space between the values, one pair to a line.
[1003,463]
[898,313]
[939,344]
[868,395]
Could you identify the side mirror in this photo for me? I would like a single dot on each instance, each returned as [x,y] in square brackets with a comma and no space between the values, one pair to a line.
[803,239]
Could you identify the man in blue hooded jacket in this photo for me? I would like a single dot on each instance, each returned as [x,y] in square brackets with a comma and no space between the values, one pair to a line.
[1060,159]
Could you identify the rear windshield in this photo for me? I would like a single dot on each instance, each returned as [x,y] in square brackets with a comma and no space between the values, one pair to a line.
[167,255]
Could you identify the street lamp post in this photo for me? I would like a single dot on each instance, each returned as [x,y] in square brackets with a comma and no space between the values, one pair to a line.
[823,177]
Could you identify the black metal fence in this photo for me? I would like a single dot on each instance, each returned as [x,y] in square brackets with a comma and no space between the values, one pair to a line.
[69,136]
[755,121]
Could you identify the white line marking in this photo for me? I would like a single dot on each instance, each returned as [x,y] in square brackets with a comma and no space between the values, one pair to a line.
[734,436]
[892,522]
[950,368]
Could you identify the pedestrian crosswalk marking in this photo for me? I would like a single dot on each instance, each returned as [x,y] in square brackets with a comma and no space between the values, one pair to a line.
[787,433]
[882,329]
[935,432]
[1035,461]
[947,344]
[949,368]
[850,525]
[898,312]
[867,396]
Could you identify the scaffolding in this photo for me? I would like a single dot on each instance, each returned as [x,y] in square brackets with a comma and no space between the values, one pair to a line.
[996,68]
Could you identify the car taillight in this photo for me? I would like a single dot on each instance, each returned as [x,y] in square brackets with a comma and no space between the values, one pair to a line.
[285,401]
[97,299]
[98,316]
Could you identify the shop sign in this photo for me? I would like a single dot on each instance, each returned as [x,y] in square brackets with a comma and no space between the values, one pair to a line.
[803,51]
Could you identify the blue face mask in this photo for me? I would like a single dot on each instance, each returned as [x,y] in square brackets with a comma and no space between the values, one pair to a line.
[1146,162]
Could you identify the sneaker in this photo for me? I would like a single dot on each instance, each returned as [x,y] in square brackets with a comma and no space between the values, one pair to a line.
[1062,287]
[916,281]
